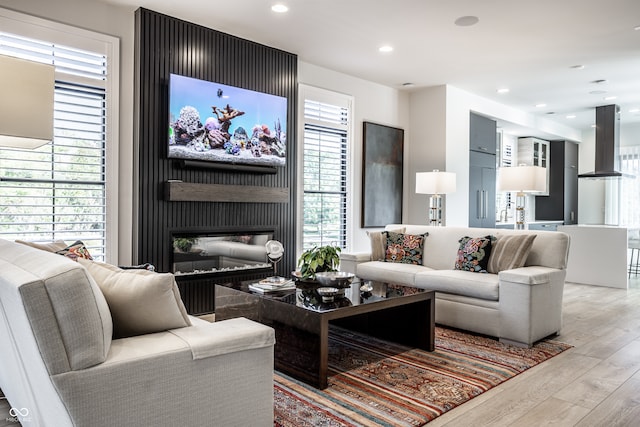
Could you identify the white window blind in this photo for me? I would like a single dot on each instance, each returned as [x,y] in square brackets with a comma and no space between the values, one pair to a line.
[325,174]
[58,191]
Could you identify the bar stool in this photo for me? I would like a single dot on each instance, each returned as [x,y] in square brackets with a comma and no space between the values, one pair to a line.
[634,245]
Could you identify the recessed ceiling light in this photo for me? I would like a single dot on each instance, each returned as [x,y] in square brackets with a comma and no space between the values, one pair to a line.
[635,110]
[541,105]
[407,84]
[466,21]
[571,116]
[577,67]
[609,98]
[385,49]
[637,28]
[279,8]
[600,81]
[597,92]
[503,90]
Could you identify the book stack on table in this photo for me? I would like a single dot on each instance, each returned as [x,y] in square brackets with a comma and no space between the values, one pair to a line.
[269,286]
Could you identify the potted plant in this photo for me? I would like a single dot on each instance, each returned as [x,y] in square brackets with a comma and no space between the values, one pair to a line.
[317,259]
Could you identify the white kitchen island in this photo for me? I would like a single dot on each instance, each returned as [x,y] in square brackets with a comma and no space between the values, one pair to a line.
[597,255]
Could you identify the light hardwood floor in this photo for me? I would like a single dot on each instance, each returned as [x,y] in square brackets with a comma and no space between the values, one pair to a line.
[596,383]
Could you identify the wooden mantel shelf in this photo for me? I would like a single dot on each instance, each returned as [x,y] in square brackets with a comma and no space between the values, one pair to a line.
[177,191]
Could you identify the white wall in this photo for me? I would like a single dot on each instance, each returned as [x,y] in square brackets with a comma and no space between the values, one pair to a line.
[372,102]
[427,150]
[116,21]
[630,134]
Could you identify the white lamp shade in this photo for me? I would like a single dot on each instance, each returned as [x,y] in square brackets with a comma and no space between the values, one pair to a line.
[435,182]
[523,179]
[26,104]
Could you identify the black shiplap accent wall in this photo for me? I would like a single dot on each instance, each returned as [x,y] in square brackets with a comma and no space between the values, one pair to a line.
[167,45]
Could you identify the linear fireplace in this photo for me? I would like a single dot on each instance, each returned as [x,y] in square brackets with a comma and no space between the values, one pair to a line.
[200,260]
[220,253]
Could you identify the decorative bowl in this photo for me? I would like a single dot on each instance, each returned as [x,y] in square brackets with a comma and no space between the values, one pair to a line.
[304,283]
[335,279]
[328,294]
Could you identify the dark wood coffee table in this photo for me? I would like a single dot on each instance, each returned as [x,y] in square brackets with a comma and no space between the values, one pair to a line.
[301,321]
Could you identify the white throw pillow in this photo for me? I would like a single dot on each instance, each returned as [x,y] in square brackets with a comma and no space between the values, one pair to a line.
[379,243]
[140,301]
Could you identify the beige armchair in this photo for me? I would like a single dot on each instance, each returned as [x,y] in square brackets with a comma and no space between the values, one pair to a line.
[60,365]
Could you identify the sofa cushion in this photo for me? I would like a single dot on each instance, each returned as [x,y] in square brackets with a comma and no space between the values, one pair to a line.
[378,240]
[473,253]
[458,282]
[140,301]
[54,246]
[509,252]
[404,248]
[389,272]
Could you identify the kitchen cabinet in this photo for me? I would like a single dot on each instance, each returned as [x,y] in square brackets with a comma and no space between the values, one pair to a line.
[482,189]
[562,201]
[482,171]
[533,152]
[482,134]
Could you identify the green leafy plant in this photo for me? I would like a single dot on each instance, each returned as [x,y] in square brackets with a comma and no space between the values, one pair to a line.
[184,244]
[317,259]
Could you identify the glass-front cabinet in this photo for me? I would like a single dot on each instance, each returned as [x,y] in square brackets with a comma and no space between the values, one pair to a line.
[534,152]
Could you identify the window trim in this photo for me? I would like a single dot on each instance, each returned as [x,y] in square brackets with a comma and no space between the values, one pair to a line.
[42,29]
[335,98]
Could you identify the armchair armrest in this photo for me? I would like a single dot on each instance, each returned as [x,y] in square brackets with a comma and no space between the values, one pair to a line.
[349,261]
[532,275]
[227,336]
[530,303]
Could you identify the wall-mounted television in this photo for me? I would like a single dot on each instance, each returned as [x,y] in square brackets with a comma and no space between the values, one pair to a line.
[210,121]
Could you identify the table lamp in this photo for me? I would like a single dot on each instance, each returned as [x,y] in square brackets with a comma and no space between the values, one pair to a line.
[435,183]
[522,180]
[26,105]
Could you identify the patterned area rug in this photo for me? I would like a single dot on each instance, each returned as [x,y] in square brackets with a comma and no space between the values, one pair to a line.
[377,383]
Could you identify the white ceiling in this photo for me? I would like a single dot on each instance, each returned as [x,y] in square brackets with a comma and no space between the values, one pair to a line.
[527,46]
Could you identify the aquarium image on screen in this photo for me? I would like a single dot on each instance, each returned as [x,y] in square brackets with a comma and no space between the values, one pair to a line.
[219,123]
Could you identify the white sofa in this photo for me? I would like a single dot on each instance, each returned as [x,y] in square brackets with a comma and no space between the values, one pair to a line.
[519,306]
[60,366]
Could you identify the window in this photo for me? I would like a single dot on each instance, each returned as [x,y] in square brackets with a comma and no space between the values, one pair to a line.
[325,174]
[630,187]
[59,191]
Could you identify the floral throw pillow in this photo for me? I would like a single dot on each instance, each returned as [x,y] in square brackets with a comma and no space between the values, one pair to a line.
[75,251]
[404,248]
[474,253]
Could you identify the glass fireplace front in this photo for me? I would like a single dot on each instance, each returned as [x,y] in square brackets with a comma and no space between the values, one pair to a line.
[208,253]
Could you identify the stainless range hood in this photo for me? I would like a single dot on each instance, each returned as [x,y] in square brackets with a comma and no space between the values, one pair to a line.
[607,143]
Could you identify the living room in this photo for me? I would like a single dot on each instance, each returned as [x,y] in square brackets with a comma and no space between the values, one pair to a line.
[133,244]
